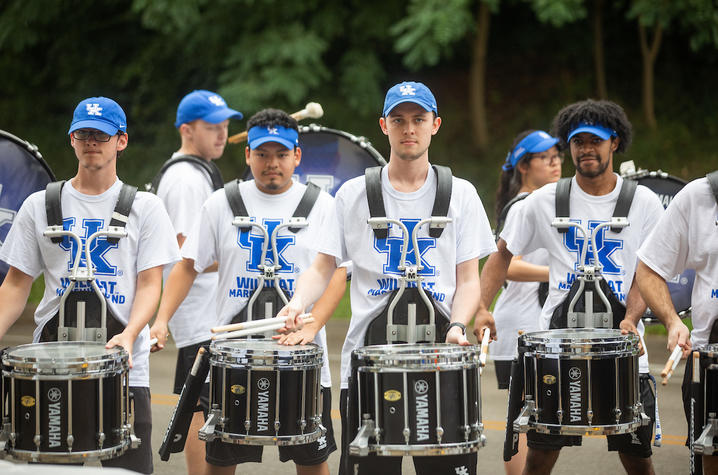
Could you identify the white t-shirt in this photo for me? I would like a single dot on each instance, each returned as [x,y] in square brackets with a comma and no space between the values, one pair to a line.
[183,189]
[686,237]
[149,243]
[517,308]
[374,274]
[532,230]
[238,253]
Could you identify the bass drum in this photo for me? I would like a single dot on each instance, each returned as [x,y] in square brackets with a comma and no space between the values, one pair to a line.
[330,157]
[666,187]
[22,172]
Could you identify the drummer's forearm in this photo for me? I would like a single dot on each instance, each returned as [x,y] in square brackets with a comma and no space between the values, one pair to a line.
[635,305]
[312,283]
[493,274]
[147,296]
[655,293]
[466,302]
[327,303]
[176,289]
[14,292]
[522,271]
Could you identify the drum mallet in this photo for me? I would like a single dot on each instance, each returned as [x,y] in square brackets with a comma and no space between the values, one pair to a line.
[312,110]
[484,348]
[671,365]
[238,330]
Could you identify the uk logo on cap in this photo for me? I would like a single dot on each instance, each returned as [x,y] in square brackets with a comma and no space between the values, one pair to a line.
[415,92]
[407,90]
[100,113]
[93,109]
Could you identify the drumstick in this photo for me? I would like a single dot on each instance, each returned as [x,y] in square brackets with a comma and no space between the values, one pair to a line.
[312,110]
[671,365]
[253,323]
[256,329]
[484,346]
[153,341]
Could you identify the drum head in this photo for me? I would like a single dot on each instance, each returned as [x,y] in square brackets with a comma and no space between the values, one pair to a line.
[22,172]
[246,353]
[580,342]
[331,157]
[419,356]
[65,357]
[666,187]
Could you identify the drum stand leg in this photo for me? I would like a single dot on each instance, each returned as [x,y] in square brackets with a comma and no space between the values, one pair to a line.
[207,433]
[521,424]
[360,445]
[704,444]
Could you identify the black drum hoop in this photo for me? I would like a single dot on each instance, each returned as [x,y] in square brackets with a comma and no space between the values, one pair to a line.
[32,150]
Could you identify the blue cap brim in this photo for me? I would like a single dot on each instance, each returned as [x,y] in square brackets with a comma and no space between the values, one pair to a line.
[94,124]
[601,132]
[543,145]
[221,115]
[423,104]
[271,138]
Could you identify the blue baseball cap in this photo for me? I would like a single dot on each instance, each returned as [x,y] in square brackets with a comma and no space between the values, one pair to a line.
[415,92]
[535,142]
[596,129]
[282,135]
[206,105]
[99,113]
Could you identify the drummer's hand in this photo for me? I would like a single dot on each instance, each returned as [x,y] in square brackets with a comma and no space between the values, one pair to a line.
[678,334]
[159,331]
[455,335]
[291,312]
[299,337]
[484,319]
[125,340]
[626,326]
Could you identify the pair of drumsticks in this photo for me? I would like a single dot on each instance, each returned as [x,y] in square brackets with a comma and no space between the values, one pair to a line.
[238,330]
[313,110]
[671,365]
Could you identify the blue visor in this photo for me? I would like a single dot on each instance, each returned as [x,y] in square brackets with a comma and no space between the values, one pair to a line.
[534,142]
[596,129]
[262,134]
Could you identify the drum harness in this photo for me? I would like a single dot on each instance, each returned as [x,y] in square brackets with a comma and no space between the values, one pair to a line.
[79,318]
[215,175]
[264,302]
[392,326]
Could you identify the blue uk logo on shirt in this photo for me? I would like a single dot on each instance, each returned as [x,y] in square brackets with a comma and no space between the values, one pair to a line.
[392,246]
[605,247]
[98,248]
[253,242]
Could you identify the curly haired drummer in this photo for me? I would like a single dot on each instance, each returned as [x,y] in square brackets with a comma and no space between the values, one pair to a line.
[407,187]
[129,271]
[686,237]
[272,154]
[594,131]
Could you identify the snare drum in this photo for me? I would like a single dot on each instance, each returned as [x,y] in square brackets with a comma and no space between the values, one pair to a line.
[580,382]
[707,410]
[415,399]
[65,402]
[264,393]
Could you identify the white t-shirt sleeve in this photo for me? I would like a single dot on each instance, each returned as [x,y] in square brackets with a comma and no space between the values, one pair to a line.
[183,199]
[338,238]
[328,240]
[204,231]
[157,244]
[473,234]
[520,230]
[21,249]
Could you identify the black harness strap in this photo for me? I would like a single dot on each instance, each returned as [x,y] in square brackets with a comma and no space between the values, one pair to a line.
[53,208]
[236,203]
[563,206]
[122,209]
[215,175]
[712,178]
[309,198]
[442,199]
[625,199]
[505,212]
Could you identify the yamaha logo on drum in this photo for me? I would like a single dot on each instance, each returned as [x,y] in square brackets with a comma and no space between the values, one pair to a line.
[575,400]
[263,404]
[54,413]
[574,373]
[421,387]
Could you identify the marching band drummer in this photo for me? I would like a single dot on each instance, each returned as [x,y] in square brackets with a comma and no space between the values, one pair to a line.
[533,161]
[408,188]
[594,132]
[129,271]
[686,237]
[186,180]
[270,198]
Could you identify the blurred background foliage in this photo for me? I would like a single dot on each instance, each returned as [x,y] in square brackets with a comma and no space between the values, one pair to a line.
[497,67]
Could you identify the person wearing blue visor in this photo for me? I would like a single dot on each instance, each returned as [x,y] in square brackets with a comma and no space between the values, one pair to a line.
[533,161]
[594,131]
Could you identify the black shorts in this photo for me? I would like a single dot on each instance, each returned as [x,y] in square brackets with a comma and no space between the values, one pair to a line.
[185,360]
[464,464]
[223,454]
[139,459]
[636,444]
[503,372]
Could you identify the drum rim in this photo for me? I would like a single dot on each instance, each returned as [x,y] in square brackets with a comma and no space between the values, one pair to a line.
[611,335]
[216,347]
[639,174]
[111,361]
[70,457]
[709,350]
[284,357]
[32,149]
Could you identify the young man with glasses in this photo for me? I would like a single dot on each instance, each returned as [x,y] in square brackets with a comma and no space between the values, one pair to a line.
[129,271]
[594,131]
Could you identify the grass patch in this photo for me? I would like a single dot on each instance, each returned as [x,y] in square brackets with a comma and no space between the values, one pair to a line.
[659,329]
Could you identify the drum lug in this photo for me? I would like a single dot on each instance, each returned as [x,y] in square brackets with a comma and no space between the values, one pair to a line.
[589,416]
[276,427]
[521,424]
[439,434]
[559,416]
[467,432]
[645,420]
[207,433]
[70,441]
[134,441]
[407,434]
[703,445]
[100,439]
[617,412]
[360,445]
[302,425]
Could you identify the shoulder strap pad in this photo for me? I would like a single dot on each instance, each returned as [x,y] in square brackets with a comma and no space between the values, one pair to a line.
[375,199]
[53,206]
[122,209]
[563,206]
[505,212]
[713,182]
[215,175]
[236,203]
[623,204]
[306,203]
[442,197]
